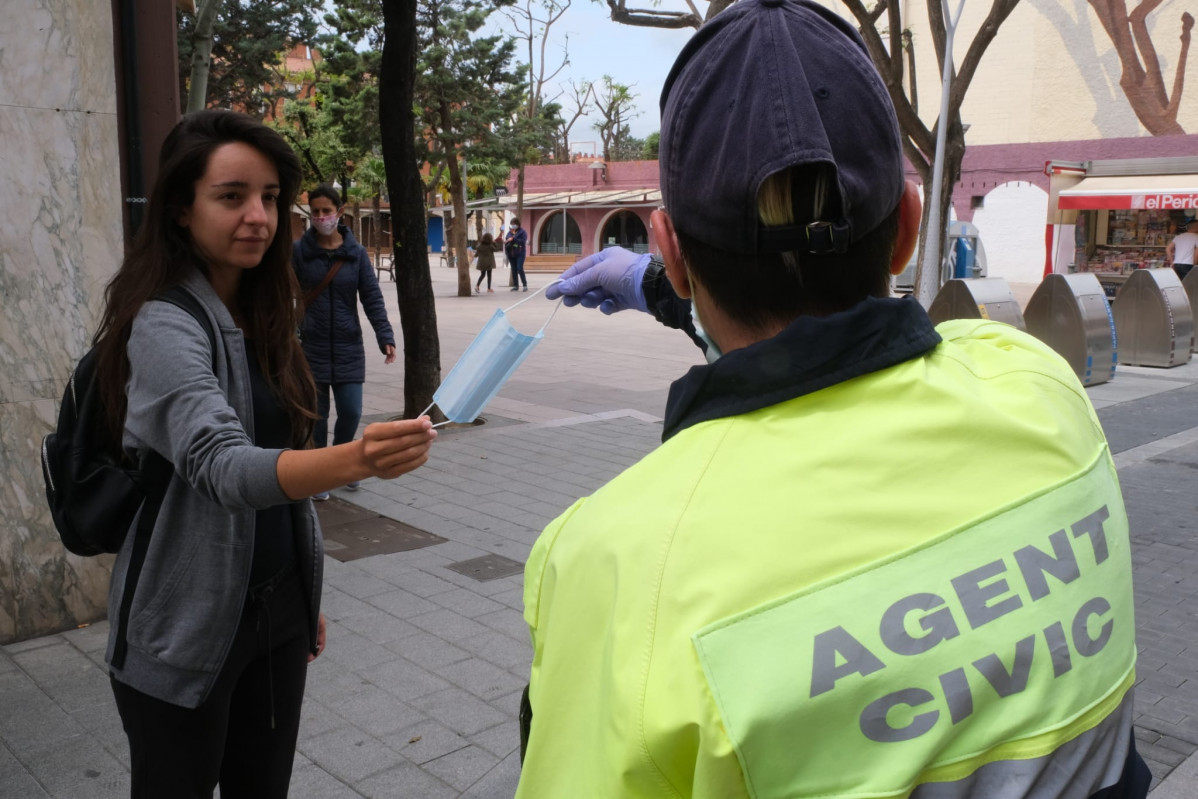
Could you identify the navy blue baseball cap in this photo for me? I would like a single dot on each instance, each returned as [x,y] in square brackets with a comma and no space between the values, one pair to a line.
[764,86]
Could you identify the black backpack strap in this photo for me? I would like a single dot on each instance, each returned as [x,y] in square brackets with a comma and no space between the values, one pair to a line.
[155,474]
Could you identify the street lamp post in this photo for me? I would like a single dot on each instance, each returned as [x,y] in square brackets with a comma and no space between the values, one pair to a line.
[929,268]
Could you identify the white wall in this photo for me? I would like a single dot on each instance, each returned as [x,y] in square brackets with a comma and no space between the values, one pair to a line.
[1011,225]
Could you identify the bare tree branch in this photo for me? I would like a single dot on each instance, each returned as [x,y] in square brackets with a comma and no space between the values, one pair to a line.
[909,121]
[895,29]
[652,18]
[912,83]
[1187,25]
[1142,80]
[1153,82]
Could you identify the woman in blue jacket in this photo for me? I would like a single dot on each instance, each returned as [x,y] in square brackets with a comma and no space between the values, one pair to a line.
[331,332]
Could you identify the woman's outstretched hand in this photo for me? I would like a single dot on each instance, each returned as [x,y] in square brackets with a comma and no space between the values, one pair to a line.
[386,450]
[390,449]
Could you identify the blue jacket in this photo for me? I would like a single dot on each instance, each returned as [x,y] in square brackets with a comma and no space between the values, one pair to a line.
[331,332]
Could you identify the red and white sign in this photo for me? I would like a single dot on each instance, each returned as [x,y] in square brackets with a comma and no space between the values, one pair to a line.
[1153,202]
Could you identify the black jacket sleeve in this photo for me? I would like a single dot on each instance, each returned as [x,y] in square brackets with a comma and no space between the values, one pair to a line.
[666,306]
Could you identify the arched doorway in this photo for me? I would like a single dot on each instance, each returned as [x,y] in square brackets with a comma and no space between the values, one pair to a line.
[624,229]
[559,235]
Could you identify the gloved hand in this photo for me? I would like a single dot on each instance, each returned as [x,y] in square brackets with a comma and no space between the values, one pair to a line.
[609,280]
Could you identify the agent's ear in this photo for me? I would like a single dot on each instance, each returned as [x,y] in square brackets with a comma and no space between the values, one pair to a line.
[183,219]
[910,209]
[671,255]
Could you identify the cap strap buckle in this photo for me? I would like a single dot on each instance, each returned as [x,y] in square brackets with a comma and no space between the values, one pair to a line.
[825,237]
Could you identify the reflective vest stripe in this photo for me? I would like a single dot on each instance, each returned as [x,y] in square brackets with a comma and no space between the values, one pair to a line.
[1078,768]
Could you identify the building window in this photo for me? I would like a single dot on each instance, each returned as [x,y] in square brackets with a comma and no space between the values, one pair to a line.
[626,230]
[560,235]
[977,201]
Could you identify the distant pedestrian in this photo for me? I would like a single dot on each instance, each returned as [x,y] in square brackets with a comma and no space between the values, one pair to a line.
[516,245]
[208,651]
[334,271]
[487,247]
[1182,252]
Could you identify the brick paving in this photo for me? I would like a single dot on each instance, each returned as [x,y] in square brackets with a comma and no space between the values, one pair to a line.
[417,693]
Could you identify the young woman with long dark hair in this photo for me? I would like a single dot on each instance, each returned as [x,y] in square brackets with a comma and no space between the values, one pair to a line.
[225,615]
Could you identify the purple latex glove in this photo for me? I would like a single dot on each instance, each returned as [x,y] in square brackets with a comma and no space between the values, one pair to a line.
[609,280]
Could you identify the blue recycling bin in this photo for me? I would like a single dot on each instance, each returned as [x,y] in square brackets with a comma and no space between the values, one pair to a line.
[964,260]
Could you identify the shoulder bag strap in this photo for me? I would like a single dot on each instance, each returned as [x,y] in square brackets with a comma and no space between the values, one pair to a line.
[311,296]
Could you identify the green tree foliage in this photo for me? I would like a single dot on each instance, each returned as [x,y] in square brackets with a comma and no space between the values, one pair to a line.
[628,148]
[652,144]
[249,40]
[371,184]
[466,85]
[336,125]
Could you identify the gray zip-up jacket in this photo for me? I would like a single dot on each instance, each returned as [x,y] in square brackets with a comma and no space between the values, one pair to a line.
[193,584]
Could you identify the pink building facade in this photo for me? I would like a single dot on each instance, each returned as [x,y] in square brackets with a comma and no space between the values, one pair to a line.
[578,209]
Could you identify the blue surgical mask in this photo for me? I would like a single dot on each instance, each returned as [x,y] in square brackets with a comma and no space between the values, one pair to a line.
[713,351]
[485,366]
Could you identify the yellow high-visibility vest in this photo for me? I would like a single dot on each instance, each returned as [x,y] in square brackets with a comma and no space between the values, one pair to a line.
[918,575]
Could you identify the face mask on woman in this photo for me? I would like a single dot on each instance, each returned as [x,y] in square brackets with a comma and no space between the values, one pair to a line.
[325,225]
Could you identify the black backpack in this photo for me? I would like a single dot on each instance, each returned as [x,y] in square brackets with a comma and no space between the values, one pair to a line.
[93,494]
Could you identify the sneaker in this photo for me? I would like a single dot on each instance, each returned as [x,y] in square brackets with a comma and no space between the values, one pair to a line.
[353,486]
[490,291]
[477,290]
[321,497]
[526,288]
[515,288]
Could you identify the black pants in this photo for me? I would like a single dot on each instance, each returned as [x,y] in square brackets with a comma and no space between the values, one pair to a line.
[1182,270]
[229,739]
[486,272]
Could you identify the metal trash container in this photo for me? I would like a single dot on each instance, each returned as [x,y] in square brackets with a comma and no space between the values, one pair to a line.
[1153,320]
[1190,284]
[1070,313]
[977,298]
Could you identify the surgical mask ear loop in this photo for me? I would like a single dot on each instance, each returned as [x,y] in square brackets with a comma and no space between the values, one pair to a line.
[552,314]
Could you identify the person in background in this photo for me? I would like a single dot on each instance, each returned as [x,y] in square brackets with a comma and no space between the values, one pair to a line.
[208,653]
[516,245]
[872,557]
[487,247]
[334,272]
[1182,252]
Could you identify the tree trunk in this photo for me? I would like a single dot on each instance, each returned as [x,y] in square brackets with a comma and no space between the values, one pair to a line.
[376,233]
[458,234]
[201,56]
[413,283]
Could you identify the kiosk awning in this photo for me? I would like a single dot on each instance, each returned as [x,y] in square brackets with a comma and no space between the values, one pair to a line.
[1153,192]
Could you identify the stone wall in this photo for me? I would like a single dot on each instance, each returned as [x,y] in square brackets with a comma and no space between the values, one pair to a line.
[60,242]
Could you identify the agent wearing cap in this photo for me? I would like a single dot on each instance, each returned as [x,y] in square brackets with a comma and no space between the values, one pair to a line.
[871,558]
[1182,252]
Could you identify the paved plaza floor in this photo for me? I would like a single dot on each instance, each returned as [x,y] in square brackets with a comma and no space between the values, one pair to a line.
[417,693]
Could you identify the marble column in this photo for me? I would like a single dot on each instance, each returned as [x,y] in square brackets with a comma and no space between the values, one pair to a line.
[60,241]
